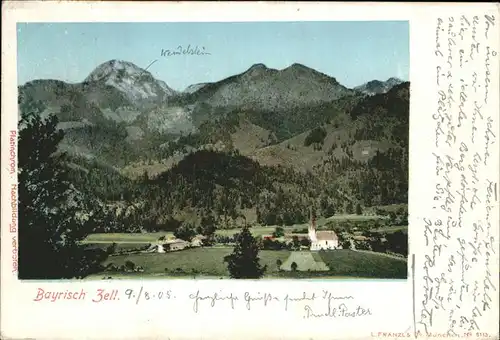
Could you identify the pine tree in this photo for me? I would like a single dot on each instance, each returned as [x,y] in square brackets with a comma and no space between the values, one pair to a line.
[243,262]
[207,228]
[279,232]
[359,211]
[53,216]
[185,232]
[349,208]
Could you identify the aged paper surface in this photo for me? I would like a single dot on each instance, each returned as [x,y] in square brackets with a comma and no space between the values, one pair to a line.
[338,270]
[458,267]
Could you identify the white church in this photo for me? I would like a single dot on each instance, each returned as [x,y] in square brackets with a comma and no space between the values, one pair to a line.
[324,239]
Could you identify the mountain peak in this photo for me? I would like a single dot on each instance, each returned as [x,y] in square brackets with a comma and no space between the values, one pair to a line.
[299,66]
[110,67]
[375,82]
[257,70]
[394,81]
[119,63]
[377,86]
[258,66]
[301,70]
[135,82]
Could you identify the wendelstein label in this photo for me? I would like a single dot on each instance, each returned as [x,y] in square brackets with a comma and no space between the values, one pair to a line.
[188,50]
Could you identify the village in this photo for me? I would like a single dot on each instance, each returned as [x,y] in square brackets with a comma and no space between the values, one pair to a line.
[313,240]
[342,245]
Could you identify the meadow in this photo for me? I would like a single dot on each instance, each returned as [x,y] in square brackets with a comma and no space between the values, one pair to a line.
[364,264]
[120,247]
[199,261]
[257,231]
[207,262]
[124,237]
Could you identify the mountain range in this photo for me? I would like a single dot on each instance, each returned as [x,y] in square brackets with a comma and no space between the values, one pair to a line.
[267,89]
[122,123]
[124,92]
[377,87]
[134,83]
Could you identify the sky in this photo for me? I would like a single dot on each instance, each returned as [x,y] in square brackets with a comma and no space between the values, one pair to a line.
[352,52]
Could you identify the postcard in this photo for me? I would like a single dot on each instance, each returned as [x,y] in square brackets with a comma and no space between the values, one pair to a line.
[250,170]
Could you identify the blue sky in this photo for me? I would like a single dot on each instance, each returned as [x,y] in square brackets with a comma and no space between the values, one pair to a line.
[352,52]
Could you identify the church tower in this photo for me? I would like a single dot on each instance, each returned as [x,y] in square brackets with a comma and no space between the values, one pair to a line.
[312,228]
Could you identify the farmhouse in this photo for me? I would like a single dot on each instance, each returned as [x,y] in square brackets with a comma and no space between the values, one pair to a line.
[176,244]
[171,244]
[197,241]
[166,244]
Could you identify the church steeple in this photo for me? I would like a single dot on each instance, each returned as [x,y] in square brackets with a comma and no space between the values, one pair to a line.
[312,227]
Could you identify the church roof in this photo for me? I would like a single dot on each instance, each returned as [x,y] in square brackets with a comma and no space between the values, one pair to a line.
[326,235]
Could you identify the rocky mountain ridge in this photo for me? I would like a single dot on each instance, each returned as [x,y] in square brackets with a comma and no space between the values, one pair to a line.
[268,89]
[378,87]
[122,108]
[134,82]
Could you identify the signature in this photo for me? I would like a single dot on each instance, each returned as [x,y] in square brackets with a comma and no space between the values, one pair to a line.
[341,311]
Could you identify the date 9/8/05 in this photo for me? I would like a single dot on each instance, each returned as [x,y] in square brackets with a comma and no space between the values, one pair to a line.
[141,294]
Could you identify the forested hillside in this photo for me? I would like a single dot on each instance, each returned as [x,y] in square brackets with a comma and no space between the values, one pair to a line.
[219,155]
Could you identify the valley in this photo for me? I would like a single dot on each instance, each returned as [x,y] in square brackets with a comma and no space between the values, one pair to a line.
[265,148]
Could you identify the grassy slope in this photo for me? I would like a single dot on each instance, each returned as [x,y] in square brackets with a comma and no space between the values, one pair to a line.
[292,152]
[207,261]
[305,260]
[365,264]
[249,137]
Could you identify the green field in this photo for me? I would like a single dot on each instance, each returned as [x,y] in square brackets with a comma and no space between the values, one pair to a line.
[120,247]
[306,261]
[124,237]
[204,261]
[345,262]
[153,237]
[257,231]
[391,229]
[208,263]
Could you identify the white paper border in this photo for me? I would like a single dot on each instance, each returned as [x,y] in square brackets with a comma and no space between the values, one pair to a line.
[391,301]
